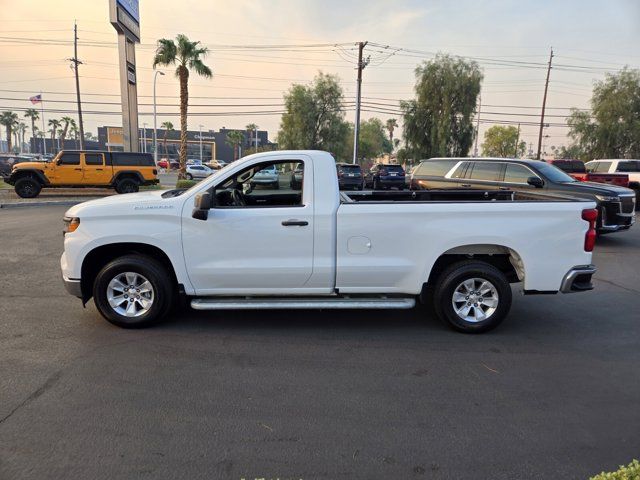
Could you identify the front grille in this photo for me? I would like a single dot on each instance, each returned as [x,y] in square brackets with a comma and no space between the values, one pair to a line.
[628,204]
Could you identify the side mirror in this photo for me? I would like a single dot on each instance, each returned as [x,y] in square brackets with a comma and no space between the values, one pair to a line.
[202,205]
[535,182]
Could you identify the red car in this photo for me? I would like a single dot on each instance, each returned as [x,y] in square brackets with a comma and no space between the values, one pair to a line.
[577,170]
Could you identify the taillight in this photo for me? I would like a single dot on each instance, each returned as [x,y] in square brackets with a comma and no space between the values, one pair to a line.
[590,215]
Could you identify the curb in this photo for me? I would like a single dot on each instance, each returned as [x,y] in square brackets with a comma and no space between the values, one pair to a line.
[44,204]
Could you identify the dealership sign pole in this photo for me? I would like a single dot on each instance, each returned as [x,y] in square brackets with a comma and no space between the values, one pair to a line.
[125,18]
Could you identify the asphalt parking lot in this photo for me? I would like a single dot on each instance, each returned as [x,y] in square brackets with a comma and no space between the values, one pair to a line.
[553,393]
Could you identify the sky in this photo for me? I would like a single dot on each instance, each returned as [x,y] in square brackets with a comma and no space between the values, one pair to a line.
[258,49]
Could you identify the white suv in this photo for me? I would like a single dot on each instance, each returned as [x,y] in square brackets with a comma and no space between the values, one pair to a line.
[610,165]
[268,177]
[198,171]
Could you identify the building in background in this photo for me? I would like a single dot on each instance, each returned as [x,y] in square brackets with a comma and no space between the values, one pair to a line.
[214,144]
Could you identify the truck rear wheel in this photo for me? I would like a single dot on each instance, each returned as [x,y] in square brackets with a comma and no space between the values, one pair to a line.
[472,296]
[133,291]
[127,185]
[27,187]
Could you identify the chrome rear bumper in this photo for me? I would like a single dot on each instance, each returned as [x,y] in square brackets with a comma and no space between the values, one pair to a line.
[578,279]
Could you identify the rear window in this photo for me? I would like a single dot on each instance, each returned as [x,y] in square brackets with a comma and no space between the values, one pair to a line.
[570,166]
[130,159]
[394,168]
[434,168]
[349,168]
[629,166]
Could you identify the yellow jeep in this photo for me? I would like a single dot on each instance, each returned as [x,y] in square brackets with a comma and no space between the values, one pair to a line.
[123,171]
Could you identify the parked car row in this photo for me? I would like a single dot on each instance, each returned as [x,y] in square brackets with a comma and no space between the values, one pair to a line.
[616,205]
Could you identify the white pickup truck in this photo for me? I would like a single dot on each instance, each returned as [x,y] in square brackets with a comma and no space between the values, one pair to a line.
[229,243]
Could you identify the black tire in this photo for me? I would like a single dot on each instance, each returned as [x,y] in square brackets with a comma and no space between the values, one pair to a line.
[188,176]
[361,187]
[276,185]
[27,187]
[376,185]
[153,271]
[457,273]
[127,185]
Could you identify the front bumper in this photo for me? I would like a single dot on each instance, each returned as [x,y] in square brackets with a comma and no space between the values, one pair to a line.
[578,279]
[73,286]
[616,216]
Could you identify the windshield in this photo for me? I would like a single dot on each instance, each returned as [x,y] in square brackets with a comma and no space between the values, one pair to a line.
[553,173]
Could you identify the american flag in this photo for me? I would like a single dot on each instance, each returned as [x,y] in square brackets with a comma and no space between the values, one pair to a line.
[36,99]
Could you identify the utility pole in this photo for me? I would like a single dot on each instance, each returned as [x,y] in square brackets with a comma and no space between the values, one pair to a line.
[75,62]
[475,149]
[544,104]
[515,154]
[356,126]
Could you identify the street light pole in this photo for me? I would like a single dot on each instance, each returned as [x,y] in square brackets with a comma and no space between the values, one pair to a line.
[200,128]
[155,124]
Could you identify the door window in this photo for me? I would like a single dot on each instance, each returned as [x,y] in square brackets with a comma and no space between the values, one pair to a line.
[263,185]
[69,159]
[487,171]
[517,174]
[93,159]
[603,167]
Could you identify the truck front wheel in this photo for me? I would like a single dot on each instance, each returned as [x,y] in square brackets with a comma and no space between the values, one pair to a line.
[472,296]
[27,188]
[133,291]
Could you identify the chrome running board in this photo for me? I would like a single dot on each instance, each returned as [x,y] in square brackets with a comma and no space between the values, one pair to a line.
[255,303]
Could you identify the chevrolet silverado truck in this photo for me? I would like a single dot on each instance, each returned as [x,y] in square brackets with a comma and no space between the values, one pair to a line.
[123,171]
[224,245]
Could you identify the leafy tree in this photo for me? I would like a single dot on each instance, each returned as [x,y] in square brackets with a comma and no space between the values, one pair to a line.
[612,130]
[8,119]
[168,127]
[500,141]
[572,151]
[439,120]
[235,139]
[373,141]
[314,117]
[20,130]
[188,56]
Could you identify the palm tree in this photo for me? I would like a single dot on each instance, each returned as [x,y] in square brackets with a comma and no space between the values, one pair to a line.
[32,114]
[54,124]
[66,122]
[168,127]
[73,130]
[391,125]
[188,56]
[252,128]
[8,119]
[234,139]
[20,131]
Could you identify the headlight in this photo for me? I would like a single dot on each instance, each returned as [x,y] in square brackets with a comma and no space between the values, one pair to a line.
[605,198]
[71,224]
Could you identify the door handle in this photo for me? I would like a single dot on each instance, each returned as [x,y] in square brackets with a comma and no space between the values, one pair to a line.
[98,169]
[294,223]
[465,185]
[79,169]
[505,188]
